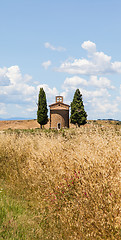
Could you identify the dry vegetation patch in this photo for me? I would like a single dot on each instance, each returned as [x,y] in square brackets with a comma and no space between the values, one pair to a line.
[69,179]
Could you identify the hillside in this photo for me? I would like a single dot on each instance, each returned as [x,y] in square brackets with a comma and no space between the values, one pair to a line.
[33,124]
[20,124]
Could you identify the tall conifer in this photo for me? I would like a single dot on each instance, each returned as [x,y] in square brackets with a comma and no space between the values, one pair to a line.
[42,117]
[78,114]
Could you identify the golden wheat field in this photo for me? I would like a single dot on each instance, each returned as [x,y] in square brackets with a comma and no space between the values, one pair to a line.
[61,185]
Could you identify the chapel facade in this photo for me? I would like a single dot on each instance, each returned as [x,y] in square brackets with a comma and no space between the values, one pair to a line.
[59,114]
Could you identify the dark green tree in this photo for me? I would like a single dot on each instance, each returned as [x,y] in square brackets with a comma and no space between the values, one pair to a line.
[78,114]
[42,117]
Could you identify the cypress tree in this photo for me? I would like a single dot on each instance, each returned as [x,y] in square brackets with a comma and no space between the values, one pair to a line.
[42,117]
[78,114]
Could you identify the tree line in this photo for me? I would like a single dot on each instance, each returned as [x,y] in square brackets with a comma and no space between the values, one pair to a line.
[78,114]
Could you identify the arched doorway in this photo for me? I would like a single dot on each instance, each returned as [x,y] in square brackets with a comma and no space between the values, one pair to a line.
[59,126]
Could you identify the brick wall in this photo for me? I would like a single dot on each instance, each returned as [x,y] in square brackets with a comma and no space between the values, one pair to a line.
[59,116]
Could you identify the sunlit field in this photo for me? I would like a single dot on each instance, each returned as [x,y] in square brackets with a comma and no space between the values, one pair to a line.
[61,185]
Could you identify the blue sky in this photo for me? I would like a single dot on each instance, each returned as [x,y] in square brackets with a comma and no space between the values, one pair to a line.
[60,46]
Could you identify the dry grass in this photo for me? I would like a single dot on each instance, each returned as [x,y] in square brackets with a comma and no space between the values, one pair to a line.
[69,180]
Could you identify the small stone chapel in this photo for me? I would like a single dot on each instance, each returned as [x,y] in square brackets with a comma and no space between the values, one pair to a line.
[59,114]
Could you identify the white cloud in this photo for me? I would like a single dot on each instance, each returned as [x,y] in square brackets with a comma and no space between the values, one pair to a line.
[96,97]
[28,90]
[50,92]
[2,109]
[19,94]
[4,80]
[89,46]
[17,89]
[118,98]
[102,82]
[14,74]
[94,93]
[27,78]
[18,106]
[46,64]
[104,106]
[59,49]
[33,109]
[3,71]
[116,66]
[97,63]
[101,58]
[78,66]
[75,81]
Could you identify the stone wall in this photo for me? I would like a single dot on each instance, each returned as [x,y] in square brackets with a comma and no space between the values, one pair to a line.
[59,116]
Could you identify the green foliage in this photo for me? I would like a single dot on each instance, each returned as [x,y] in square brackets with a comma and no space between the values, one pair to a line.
[42,117]
[78,114]
[11,215]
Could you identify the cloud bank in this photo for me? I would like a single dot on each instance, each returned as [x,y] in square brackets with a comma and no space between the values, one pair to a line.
[101,96]
[97,63]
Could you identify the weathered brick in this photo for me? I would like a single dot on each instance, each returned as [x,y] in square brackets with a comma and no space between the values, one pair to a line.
[59,114]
